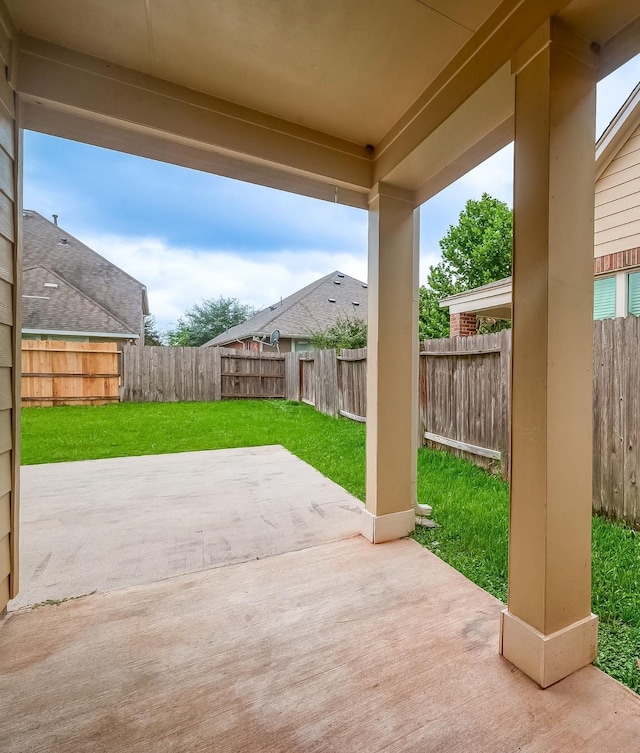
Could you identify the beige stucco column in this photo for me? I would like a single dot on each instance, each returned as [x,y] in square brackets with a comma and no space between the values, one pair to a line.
[548,630]
[392,365]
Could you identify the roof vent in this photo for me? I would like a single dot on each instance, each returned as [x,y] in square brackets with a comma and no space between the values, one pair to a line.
[337,282]
[364,285]
[51,284]
[332,300]
[63,242]
[355,303]
[340,274]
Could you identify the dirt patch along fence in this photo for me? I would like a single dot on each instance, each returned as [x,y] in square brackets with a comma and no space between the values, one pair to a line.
[464,402]
[159,374]
[56,372]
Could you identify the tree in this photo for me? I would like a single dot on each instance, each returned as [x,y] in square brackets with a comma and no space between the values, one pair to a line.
[204,321]
[347,332]
[152,335]
[475,252]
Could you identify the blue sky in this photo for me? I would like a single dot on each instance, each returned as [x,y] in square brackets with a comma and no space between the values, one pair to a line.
[189,235]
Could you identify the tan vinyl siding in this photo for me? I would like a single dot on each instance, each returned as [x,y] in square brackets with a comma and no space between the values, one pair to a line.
[6,260]
[6,480]
[6,430]
[621,204]
[5,515]
[10,189]
[6,389]
[4,591]
[617,224]
[5,557]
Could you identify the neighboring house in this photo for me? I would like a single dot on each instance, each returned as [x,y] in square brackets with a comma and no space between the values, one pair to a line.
[69,292]
[296,317]
[616,241]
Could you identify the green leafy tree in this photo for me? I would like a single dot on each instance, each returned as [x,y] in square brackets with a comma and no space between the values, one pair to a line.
[475,252]
[152,335]
[347,332]
[206,320]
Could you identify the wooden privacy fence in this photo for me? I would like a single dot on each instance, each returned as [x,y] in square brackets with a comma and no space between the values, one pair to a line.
[69,373]
[616,418]
[464,397]
[463,389]
[250,374]
[158,374]
[333,384]
[464,402]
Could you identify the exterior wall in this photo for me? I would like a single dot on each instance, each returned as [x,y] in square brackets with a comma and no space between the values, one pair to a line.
[249,344]
[619,265]
[10,221]
[617,218]
[463,325]
[616,261]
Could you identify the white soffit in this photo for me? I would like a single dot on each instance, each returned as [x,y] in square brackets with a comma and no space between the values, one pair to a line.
[348,69]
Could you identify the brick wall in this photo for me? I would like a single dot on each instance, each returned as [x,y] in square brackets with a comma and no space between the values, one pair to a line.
[619,260]
[463,325]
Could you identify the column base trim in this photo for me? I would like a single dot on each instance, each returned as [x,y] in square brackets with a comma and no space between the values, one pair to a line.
[547,659]
[379,528]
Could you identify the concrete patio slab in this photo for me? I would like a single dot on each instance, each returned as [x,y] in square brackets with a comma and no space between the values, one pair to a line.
[101,524]
[344,647]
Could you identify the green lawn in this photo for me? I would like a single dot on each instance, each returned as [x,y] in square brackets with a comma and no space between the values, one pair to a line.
[470,506]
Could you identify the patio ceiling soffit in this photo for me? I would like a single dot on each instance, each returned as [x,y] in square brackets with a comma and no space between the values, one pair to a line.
[464,116]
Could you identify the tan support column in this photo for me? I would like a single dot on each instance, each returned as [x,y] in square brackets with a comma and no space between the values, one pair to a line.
[548,630]
[392,365]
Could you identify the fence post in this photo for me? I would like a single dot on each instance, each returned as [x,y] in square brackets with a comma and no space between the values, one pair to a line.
[216,374]
[326,379]
[292,376]
[505,400]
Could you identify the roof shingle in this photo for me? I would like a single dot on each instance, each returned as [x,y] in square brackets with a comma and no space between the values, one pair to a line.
[60,307]
[48,246]
[311,309]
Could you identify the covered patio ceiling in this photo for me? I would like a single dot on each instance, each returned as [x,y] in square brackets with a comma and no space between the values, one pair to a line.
[320,99]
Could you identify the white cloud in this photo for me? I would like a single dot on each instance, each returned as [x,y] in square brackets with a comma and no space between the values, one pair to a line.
[176,278]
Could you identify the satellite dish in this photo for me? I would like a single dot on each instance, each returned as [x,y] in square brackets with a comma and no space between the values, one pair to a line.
[274,337]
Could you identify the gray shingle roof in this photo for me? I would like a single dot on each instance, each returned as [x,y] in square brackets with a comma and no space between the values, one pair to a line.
[110,288]
[306,311]
[63,308]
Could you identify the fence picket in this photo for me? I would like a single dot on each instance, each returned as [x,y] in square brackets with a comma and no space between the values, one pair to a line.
[162,374]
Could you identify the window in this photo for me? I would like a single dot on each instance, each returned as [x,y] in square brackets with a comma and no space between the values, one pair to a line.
[634,294]
[604,298]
